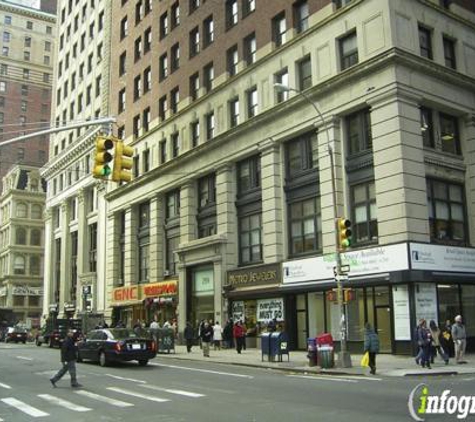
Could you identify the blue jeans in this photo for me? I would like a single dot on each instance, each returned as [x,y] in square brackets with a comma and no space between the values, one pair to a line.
[67,366]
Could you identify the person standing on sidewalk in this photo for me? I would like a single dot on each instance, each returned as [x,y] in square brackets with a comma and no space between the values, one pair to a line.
[238,334]
[435,346]
[189,336]
[371,345]
[446,340]
[424,340]
[68,360]
[459,335]
[217,335]
[206,337]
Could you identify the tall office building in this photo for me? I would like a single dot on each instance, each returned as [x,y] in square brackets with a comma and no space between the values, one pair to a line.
[26,77]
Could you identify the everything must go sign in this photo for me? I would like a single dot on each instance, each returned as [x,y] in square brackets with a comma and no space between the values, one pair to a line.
[268,309]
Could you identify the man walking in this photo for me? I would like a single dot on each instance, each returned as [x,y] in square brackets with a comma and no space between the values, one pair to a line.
[206,337]
[459,336]
[371,345]
[68,359]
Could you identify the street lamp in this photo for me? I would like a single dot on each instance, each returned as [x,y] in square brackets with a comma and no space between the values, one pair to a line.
[344,358]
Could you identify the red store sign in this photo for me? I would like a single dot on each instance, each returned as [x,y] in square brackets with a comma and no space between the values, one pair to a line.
[126,294]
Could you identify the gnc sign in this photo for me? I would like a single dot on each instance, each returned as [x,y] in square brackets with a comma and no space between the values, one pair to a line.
[126,294]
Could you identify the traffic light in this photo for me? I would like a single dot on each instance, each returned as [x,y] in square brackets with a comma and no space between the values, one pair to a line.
[348,295]
[344,232]
[123,162]
[103,157]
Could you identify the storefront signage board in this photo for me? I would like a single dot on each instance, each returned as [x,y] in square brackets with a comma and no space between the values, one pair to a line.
[441,258]
[361,262]
[27,291]
[203,283]
[426,301]
[266,274]
[402,319]
[238,310]
[164,288]
[268,309]
[126,294]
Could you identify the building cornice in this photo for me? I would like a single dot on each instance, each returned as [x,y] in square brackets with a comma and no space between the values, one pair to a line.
[28,12]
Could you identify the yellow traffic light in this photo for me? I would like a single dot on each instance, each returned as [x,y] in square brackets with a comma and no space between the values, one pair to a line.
[103,157]
[123,162]
[344,233]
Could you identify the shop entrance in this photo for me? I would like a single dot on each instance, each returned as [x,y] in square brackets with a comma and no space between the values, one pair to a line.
[383,328]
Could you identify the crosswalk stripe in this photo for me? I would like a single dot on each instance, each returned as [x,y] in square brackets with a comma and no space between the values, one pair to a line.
[104,399]
[63,403]
[134,394]
[172,391]
[5,386]
[25,408]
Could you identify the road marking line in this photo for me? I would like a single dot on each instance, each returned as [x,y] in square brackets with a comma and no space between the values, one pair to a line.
[23,358]
[25,408]
[172,391]
[203,370]
[126,379]
[356,377]
[134,394]
[64,403]
[104,399]
[5,386]
[321,378]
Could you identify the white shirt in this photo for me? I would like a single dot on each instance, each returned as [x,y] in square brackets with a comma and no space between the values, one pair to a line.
[217,330]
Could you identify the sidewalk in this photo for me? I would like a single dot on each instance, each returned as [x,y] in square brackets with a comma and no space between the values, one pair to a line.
[389,365]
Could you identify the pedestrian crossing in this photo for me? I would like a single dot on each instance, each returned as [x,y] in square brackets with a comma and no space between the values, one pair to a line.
[85,400]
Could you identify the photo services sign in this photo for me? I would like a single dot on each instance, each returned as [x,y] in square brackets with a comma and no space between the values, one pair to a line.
[268,309]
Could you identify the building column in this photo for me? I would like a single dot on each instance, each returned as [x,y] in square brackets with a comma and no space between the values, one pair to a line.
[65,282]
[399,170]
[188,208]
[272,213]
[82,233]
[48,267]
[102,251]
[111,261]
[154,273]
[468,148]
[130,247]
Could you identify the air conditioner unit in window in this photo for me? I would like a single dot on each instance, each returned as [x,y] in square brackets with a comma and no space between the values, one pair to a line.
[166,273]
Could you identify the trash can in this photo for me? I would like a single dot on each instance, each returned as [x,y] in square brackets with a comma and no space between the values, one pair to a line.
[312,351]
[325,351]
[265,345]
[166,340]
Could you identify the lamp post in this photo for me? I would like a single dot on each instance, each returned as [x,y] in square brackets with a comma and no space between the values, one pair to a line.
[344,358]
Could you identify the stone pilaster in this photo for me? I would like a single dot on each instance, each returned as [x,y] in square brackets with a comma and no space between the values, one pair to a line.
[48,261]
[130,275]
[82,232]
[188,212]
[65,280]
[154,274]
[468,148]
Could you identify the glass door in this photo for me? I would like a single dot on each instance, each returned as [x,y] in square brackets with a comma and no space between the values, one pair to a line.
[383,328]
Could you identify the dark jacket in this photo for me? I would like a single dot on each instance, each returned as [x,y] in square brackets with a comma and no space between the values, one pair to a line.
[189,333]
[68,350]
[423,336]
[206,334]
[371,341]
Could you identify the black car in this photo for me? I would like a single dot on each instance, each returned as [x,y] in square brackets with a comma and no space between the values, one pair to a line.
[16,334]
[108,345]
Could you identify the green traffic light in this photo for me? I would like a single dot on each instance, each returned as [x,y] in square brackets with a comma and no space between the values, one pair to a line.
[106,171]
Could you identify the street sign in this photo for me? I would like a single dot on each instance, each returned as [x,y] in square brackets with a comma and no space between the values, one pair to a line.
[345,269]
[341,278]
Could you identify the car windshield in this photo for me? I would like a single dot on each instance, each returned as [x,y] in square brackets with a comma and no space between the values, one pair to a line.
[18,330]
[124,333]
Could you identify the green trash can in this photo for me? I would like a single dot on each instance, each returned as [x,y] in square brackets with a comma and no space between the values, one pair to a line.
[325,357]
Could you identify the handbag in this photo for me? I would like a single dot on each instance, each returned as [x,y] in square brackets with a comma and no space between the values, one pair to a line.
[365,360]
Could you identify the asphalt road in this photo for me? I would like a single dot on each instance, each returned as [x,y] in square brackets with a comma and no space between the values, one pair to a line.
[172,391]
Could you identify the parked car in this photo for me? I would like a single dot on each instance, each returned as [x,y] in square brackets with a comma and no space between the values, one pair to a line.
[107,345]
[54,332]
[16,334]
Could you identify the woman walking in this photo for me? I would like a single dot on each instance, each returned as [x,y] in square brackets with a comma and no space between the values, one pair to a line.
[371,345]
[436,345]
[189,335]
[424,340]
[239,334]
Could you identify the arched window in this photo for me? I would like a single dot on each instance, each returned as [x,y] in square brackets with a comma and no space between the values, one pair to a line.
[35,239]
[21,210]
[19,265]
[35,265]
[20,236]
[36,212]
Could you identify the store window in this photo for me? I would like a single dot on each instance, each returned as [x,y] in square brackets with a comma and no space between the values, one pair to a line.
[356,316]
[468,308]
[449,303]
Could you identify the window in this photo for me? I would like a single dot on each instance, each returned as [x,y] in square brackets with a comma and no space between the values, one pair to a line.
[35,237]
[6,36]
[137,126]
[252,102]
[248,6]
[175,57]
[175,15]
[301,14]
[210,126]
[194,86]
[279,29]
[34,270]
[234,112]
[148,7]
[123,28]
[348,51]
[250,49]
[26,56]
[162,108]
[358,126]
[208,77]
[449,136]
[98,86]
[21,210]
[5,52]
[447,213]
[163,151]
[249,175]
[138,49]
[208,31]
[93,247]
[175,144]
[137,87]
[195,133]
[194,4]
[231,13]
[163,25]
[19,264]
[305,226]
[138,12]
[425,43]
[174,100]
[206,217]
[20,238]
[427,128]
[232,60]
[449,53]
[304,68]
[363,203]
[122,64]
[29,25]
[3,87]
[340,3]
[173,204]
[301,155]
[147,79]
[147,39]
[27,41]
[194,42]
[146,162]
[3,69]
[163,67]
[7,20]
[147,116]
[250,245]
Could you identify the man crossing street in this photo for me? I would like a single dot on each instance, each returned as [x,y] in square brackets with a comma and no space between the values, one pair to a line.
[68,360]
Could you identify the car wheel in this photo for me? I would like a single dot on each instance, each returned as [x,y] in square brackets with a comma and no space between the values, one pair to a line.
[24,341]
[103,361]
[38,343]
[143,362]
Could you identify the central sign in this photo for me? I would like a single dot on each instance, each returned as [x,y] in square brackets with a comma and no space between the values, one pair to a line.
[126,294]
